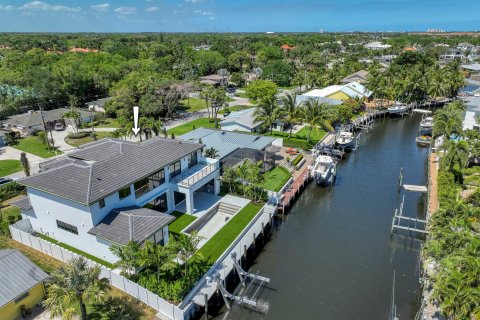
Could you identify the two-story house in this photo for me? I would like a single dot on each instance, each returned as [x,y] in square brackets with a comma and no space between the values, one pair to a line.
[113,191]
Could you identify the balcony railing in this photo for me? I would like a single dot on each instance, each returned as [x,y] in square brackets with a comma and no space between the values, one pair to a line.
[191,180]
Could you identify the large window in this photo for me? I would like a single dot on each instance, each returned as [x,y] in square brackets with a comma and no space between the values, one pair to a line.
[192,159]
[125,192]
[174,169]
[159,203]
[149,183]
[67,227]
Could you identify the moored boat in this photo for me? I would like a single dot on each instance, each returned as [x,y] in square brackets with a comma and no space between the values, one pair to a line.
[344,139]
[324,170]
[423,140]
[426,124]
[398,109]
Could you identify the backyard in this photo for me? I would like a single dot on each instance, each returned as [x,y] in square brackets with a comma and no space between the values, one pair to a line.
[299,139]
[183,220]
[35,146]
[217,245]
[276,178]
[107,123]
[192,105]
[189,126]
[9,166]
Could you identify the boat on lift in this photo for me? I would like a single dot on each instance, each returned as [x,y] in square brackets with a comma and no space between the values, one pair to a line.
[345,139]
[426,123]
[398,109]
[324,170]
[423,140]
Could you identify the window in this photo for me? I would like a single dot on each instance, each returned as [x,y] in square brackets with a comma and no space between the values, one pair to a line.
[67,227]
[149,183]
[159,203]
[174,169]
[21,297]
[192,159]
[125,192]
[101,203]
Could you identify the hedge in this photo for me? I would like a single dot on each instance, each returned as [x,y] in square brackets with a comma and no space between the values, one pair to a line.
[78,135]
[297,159]
[10,190]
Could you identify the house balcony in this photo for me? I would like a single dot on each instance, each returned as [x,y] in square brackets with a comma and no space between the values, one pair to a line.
[197,173]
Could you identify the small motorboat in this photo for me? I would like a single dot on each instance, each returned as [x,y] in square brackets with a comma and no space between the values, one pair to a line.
[424,140]
[344,139]
[324,170]
[398,109]
[427,123]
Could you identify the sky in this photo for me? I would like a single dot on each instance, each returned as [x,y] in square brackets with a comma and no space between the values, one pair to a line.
[237,16]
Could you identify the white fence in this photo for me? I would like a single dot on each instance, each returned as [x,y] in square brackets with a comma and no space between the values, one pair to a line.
[168,310]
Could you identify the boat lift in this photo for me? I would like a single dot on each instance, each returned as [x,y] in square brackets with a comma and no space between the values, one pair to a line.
[401,222]
[410,187]
[252,302]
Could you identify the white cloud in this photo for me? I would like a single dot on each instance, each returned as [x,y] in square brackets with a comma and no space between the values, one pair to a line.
[103,7]
[195,1]
[152,9]
[6,8]
[37,6]
[125,11]
[203,12]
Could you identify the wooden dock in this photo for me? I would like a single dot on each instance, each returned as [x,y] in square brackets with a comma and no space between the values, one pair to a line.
[294,190]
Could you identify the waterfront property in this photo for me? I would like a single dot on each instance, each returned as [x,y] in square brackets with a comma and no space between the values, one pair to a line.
[21,284]
[30,122]
[113,191]
[344,92]
[244,120]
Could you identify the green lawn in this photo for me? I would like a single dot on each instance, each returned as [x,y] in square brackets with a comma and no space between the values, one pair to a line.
[241,94]
[192,105]
[315,134]
[11,211]
[181,222]
[34,146]
[81,141]
[187,127]
[299,140]
[9,166]
[276,178]
[80,252]
[108,123]
[217,245]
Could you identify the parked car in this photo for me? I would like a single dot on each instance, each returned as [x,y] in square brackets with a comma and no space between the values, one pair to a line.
[59,126]
[5,180]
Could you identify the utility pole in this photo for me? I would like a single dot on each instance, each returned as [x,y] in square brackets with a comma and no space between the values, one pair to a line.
[45,127]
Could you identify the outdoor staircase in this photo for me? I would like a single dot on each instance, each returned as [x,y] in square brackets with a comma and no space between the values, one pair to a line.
[227,208]
[270,209]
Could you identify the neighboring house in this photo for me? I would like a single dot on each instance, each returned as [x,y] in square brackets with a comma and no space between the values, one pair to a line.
[113,191]
[377,45]
[385,60]
[452,54]
[225,142]
[359,77]
[21,284]
[242,120]
[464,46]
[238,156]
[30,122]
[98,105]
[469,122]
[215,80]
[345,92]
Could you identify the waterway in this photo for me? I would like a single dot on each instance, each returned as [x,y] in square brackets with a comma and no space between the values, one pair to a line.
[333,256]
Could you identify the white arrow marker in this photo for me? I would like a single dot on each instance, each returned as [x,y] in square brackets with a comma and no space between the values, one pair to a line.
[135,129]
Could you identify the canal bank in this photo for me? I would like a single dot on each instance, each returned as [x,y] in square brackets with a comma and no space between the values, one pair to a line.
[333,256]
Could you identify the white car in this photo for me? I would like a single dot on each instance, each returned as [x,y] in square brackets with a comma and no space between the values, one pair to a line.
[59,126]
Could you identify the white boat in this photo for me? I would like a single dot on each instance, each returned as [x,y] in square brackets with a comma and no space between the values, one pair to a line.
[427,123]
[398,109]
[344,139]
[324,170]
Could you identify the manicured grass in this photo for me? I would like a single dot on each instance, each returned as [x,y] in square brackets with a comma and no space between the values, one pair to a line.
[192,105]
[75,250]
[34,146]
[241,94]
[108,123]
[9,166]
[183,220]
[81,141]
[217,245]
[11,211]
[315,135]
[189,126]
[299,140]
[276,178]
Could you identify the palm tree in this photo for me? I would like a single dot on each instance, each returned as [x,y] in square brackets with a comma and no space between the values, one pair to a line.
[150,126]
[25,163]
[186,246]
[448,120]
[155,256]
[73,114]
[72,285]
[457,153]
[289,111]
[206,94]
[211,153]
[128,256]
[317,115]
[267,112]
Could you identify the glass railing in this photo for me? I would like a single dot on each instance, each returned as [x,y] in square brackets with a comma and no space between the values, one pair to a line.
[191,180]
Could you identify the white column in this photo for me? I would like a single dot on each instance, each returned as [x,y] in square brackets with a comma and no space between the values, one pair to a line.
[216,183]
[189,201]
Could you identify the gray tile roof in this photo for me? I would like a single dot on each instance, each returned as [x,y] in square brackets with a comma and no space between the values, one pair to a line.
[131,223]
[100,102]
[105,166]
[22,203]
[242,117]
[226,142]
[34,118]
[18,275]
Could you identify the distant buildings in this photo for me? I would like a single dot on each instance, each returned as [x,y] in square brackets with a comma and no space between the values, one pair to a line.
[359,77]
[98,105]
[205,47]
[377,45]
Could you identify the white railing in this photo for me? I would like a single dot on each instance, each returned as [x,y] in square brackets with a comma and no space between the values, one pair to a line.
[167,309]
[191,180]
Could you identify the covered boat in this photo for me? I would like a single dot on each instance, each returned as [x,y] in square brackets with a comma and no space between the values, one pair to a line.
[345,139]
[324,170]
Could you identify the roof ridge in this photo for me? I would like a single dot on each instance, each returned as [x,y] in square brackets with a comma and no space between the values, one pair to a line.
[89,183]
[130,226]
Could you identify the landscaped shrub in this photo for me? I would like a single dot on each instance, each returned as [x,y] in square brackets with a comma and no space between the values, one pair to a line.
[10,190]
[78,135]
[297,159]
[447,189]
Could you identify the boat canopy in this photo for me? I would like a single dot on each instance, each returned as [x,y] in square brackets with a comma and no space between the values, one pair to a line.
[422,111]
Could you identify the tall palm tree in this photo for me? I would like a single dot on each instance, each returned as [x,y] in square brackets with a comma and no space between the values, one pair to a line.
[211,153]
[206,93]
[289,111]
[457,154]
[128,256]
[448,121]
[72,285]
[150,126]
[186,246]
[317,115]
[267,112]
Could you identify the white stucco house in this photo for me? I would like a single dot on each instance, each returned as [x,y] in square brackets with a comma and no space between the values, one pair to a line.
[113,191]
[244,120]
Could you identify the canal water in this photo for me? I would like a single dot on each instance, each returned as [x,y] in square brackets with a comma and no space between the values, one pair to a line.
[333,256]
